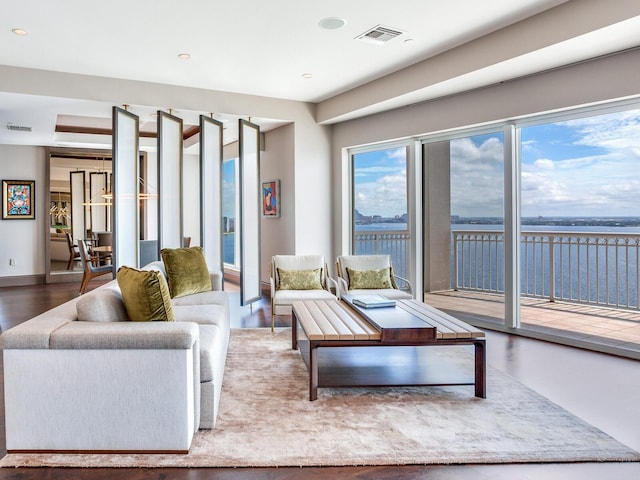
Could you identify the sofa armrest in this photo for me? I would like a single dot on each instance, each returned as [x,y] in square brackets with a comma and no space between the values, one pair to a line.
[216,279]
[125,336]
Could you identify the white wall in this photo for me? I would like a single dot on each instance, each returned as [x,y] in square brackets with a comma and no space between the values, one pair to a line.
[597,81]
[277,162]
[24,240]
[313,189]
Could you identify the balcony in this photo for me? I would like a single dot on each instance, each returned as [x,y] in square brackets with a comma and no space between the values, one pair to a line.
[582,287]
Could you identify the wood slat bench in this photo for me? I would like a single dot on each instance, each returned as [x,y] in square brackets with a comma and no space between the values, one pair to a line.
[327,323]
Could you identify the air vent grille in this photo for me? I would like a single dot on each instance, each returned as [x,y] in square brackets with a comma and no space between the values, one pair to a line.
[18,128]
[379,34]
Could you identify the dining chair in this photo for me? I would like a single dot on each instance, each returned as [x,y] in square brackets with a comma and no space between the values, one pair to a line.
[90,270]
[74,253]
[104,239]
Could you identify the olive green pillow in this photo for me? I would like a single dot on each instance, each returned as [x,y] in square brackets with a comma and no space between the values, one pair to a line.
[300,279]
[365,279]
[145,295]
[187,271]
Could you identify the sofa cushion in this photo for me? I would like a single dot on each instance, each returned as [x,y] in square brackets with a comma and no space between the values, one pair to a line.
[212,352]
[376,278]
[203,315]
[287,297]
[102,305]
[145,295]
[300,279]
[187,271]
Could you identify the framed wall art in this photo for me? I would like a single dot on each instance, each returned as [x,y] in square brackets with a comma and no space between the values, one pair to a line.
[18,199]
[271,199]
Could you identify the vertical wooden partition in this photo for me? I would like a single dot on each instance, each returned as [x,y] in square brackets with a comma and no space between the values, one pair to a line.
[211,191]
[250,267]
[126,212]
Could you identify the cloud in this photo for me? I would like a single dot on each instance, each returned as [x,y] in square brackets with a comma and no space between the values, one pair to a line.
[387,196]
[544,164]
[613,131]
[602,178]
[477,173]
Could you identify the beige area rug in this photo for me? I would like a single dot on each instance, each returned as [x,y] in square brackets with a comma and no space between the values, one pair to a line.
[266,419]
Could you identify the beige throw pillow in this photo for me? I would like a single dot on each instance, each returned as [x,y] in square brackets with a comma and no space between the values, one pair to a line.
[369,279]
[300,279]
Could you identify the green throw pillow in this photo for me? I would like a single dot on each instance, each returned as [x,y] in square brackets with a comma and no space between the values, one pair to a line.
[145,295]
[187,271]
[300,279]
[365,279]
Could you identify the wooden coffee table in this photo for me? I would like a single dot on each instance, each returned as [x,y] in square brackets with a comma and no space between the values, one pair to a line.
[330,324]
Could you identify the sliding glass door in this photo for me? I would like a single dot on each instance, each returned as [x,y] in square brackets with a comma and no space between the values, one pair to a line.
[464,225]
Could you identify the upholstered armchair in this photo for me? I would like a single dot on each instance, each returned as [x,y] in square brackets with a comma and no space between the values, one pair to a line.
[367,274]
[298,277]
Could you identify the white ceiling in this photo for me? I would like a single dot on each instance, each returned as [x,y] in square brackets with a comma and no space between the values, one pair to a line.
[263,48]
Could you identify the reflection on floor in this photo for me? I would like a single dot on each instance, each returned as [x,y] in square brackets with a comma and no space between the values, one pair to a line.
[606,327]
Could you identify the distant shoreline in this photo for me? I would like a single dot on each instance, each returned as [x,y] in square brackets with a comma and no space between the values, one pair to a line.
[554,221]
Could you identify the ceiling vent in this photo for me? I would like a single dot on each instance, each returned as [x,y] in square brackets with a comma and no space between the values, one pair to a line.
[18,128]
[379,34]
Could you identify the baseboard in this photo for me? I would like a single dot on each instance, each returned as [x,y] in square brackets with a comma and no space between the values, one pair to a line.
[22,280]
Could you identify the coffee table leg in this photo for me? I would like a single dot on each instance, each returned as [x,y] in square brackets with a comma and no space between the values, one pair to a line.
[294,331]
[481,371]
[313,372]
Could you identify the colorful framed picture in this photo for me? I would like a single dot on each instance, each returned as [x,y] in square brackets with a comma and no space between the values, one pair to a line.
[271,199]
[18,199]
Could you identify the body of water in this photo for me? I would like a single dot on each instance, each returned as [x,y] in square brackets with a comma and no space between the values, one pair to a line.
[605,274]
[228,248]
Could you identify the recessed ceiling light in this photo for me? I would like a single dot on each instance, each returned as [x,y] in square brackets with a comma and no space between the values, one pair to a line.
[307,75]
[184,56]
[331,23]
[408,40]
[19,31]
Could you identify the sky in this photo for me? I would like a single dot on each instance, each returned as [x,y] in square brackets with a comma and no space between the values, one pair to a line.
[381,182]
[582,167]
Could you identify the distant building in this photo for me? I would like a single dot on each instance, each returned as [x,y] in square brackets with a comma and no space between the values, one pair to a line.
[228,224]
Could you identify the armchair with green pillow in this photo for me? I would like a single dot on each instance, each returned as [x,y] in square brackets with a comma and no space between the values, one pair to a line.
[298,277]
[367,274]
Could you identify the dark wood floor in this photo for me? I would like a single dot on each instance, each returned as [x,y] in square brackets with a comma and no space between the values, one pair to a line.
[602,389]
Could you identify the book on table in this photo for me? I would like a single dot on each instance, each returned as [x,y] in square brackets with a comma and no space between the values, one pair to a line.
[372,301]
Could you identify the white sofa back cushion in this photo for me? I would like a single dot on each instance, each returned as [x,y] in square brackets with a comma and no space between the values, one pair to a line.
[102,305]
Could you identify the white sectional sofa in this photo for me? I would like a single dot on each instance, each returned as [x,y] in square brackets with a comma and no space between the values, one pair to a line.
[81,377]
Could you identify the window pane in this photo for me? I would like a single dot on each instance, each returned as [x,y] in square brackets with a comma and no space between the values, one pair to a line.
[380,205]
[464,226]
[581,221]
[229,203]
